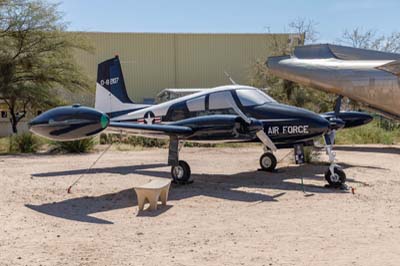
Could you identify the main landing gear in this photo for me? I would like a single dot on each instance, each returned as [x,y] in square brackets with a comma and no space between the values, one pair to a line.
[180,170]
[268,160]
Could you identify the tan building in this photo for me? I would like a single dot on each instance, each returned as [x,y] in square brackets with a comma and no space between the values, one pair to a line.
[152,62]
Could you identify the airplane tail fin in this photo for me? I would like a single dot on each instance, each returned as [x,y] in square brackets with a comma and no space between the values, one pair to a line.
[111,94]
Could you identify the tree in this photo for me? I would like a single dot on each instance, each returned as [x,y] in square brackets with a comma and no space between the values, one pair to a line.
[283,90]
[36,57]
[306,27]
[370,39]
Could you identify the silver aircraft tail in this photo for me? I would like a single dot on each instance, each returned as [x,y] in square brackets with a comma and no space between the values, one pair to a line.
[367,76]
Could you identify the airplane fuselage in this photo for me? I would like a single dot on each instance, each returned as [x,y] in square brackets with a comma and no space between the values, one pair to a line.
[282,123]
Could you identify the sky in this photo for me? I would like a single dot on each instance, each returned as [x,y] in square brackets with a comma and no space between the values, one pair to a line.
[230,16]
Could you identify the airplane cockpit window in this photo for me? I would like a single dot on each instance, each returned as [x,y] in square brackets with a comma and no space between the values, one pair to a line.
[197,104]
[253,97]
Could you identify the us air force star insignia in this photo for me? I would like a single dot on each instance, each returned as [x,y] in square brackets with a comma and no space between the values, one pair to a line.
[149,118]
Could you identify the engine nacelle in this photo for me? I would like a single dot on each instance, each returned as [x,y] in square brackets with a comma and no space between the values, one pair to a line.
[69,123]
[350,118]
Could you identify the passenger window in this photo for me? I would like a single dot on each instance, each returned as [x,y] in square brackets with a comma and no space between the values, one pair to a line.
[221,100]
[197,104]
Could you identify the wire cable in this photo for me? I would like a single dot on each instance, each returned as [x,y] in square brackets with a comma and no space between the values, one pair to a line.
[88,169]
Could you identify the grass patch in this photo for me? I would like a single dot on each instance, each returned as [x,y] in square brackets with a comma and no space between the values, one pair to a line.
[369,134]
[21,143]
[4,145]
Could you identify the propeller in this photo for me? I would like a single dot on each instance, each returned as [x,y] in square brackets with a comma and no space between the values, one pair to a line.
[335,123]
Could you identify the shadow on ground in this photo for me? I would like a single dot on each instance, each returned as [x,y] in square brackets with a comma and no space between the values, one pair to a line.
[122,170]
[228,187]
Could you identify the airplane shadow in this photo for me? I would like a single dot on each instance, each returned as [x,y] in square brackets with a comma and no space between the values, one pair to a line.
[79,209]
[122,170]
[244,187]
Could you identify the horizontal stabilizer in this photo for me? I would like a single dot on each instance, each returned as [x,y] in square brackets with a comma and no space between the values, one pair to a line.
[317,51]
[392,67]
[325,51]
[167,129]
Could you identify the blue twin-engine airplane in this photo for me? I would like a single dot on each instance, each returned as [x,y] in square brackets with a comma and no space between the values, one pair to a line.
[228,113]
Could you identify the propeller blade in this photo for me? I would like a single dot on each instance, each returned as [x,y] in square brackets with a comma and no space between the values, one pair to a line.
[338,104]
[266,140]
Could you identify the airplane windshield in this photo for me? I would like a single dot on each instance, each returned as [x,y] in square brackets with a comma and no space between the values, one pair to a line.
[253,97]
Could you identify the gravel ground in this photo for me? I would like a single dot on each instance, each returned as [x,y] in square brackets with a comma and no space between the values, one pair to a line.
[230,215]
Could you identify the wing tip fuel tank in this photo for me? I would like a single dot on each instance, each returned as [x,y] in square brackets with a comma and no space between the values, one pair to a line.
[69,123]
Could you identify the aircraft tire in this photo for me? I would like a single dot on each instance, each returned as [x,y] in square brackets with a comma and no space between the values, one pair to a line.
[181,172]
[268,162]
[338,180]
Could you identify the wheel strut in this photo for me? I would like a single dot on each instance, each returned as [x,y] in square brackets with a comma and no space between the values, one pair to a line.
[180,170]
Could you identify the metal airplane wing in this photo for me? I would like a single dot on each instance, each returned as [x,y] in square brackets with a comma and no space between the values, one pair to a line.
[166,129]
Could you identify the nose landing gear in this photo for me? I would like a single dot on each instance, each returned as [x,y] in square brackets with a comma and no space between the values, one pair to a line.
[335,176]
[337,179]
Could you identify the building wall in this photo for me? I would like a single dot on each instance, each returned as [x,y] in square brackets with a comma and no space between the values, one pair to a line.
[152,62]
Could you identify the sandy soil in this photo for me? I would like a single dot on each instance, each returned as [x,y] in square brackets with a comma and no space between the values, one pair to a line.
[230,215]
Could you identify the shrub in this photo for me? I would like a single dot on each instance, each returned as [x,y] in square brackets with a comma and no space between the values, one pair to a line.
[368,134]
[103,139]
[200,145]
[110,138]
[4,145]
[23,143]
[136,141]
[146,142]
[76,146]
[311,155]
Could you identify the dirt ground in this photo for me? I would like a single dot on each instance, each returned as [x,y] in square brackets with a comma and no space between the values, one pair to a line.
[230,215]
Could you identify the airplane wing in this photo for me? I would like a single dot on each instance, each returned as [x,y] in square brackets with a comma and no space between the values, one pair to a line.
[166,129]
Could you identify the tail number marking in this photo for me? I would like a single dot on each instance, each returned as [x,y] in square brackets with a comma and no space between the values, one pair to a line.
[108,82]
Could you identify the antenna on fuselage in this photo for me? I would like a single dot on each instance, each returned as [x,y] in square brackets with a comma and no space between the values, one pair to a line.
[230,78]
